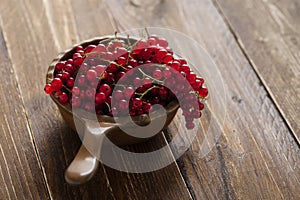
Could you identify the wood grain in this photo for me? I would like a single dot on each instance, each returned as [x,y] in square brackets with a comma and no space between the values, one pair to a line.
[269,33]
[41,33]
[256,157]
[20,170]
[56,143]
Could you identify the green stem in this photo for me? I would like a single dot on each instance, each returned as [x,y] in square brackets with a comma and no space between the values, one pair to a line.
[148,35]
[148,91]
[109,109]
[150,76]
[67,88]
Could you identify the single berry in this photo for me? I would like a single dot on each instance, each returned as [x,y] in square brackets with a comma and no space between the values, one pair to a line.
[157,74]
[91,75]
[137,103]
[105,88]
[48,89]
[100,98]
[56,84]
[63,98]
[203,92]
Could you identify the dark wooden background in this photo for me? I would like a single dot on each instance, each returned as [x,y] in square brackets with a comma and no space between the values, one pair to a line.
[254,43]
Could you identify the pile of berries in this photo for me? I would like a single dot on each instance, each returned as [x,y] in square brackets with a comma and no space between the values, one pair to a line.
[97,69]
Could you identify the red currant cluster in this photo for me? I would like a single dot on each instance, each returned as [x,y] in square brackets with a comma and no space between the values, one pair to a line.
[99,67]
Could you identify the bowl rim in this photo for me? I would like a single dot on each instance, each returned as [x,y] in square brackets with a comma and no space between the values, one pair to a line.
[170,108]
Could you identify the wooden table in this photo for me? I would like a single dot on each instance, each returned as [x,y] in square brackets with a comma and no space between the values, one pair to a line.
[255,45]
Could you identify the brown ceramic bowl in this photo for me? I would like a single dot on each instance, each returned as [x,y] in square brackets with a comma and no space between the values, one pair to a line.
[82,169]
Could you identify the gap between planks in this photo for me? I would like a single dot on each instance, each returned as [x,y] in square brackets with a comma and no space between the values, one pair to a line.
[253,66]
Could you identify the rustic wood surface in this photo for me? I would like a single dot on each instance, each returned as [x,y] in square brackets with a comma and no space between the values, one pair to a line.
[272,48]
[254,45]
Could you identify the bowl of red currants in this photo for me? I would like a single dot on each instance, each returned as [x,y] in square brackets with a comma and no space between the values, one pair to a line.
[116,80]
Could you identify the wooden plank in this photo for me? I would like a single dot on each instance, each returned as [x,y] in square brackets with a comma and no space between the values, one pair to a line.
[43,29]
[166,183]
[269,33]
[20,170]
[255,157]
[58,146]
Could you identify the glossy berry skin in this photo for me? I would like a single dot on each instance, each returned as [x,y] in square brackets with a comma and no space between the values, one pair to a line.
[70,82]
[56,84]
[99,67]
[203,92]
[76,91]
[137,103]
[105,88]
[157,74]
[129,91]
[63,98]
[100,98]
[48,89]
[91,75]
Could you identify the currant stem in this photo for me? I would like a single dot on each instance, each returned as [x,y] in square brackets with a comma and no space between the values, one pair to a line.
[148,35]
[67,88]
[150,76]
[149,89]
[109,109]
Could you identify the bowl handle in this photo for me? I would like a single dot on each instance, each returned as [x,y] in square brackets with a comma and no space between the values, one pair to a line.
[84,165]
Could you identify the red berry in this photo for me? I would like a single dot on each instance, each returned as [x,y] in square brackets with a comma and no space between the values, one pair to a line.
[56,84]
[147,82]
[79,48]
[69,61]
[65,76]
[122,61]
[168,58]
[151,42]
[200,105]
[175,65]
[99,48]
[91,75]
[100,98]
[137,82]
[75,91]
[76,55]
[117,95]
[129,91]
[167,73]
[163,43]
[69,68]
[59,66]
[123,105]
[63,98]
[100,69]
[203,92]
[137,103]
[106,89]
[90,93]
[191,77]
[161,54]
[48,89]
[89,48]
[70,82]
[81,81]
[190,125]
[157,74]
[147,107]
